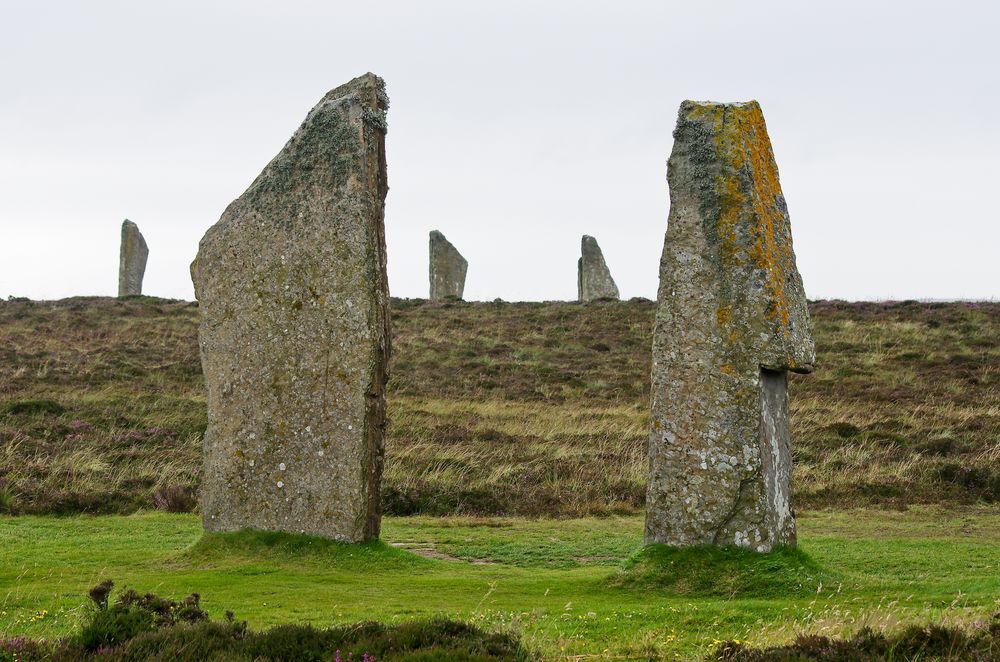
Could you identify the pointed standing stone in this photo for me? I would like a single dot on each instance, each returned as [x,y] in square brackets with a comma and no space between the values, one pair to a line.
[294,331]
[447,269]
[593,279]
[731,321]
[131,260]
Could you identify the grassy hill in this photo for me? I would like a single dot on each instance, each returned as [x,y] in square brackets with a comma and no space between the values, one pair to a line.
[501,408]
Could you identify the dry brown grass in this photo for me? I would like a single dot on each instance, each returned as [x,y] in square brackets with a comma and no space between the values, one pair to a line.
[498,408]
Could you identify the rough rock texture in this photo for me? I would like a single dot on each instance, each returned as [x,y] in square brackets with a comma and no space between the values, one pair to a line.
[131,260]
[731,321]
[294,331]
[593,279]
[447,268]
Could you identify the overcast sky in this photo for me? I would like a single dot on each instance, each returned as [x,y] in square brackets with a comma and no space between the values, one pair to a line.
[515,127]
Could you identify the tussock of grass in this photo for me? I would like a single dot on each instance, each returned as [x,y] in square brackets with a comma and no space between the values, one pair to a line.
[709,571]
[28,407]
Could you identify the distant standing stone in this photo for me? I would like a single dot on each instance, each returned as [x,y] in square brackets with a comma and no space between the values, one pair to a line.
[447,268]
[593,279]
[731,321]
[131,260]
[294,331]
[193,269]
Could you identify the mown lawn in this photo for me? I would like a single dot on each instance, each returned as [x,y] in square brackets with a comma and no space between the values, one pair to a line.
[558,583]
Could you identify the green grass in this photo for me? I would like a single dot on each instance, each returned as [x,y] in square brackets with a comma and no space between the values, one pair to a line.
[569,587]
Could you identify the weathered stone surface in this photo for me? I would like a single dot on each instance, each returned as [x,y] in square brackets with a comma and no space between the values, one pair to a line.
[131,260]
[294,331]
[447,268]
[593,279]
[731,321]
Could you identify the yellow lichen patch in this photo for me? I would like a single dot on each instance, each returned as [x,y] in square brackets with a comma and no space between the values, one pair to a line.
[723,315]
[728,368]
[728,190]
[743,145]
[770,255]
[730,199]
[731,202]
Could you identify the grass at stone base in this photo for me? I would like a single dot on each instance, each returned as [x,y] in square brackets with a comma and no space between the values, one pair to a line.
[557,583]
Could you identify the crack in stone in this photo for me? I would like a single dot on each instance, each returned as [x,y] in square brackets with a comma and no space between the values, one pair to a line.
[734,510]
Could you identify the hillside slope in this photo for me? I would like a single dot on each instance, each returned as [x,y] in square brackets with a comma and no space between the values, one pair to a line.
[500,408]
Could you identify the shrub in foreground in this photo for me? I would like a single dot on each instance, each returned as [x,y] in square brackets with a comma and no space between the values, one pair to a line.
[137,627]
[933,642]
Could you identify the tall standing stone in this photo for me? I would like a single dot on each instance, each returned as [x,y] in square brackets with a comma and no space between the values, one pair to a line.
[731,322]
[447,268]
[294,331]
[593,278]
[131,260]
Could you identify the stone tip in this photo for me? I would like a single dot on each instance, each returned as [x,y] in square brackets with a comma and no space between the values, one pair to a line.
[692,103]
[367,78]
[368,81]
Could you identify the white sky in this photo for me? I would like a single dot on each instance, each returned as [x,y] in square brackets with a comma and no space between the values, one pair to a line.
[515,127]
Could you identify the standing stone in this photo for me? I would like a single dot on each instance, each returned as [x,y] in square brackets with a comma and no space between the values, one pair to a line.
[731,322]
[593,279]
[131,260]
[447,269]
[294,331]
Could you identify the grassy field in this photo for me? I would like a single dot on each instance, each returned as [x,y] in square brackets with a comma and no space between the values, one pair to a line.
[536,409]
[566,586]
[515,474]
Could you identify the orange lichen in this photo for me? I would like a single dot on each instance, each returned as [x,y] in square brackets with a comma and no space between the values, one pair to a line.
[770,255]
[743,144]
[723,315]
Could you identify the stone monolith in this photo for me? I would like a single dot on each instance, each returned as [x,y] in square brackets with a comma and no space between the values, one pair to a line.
[593,278]
[731,322]
[447,268]
[131,260]
[294,331]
